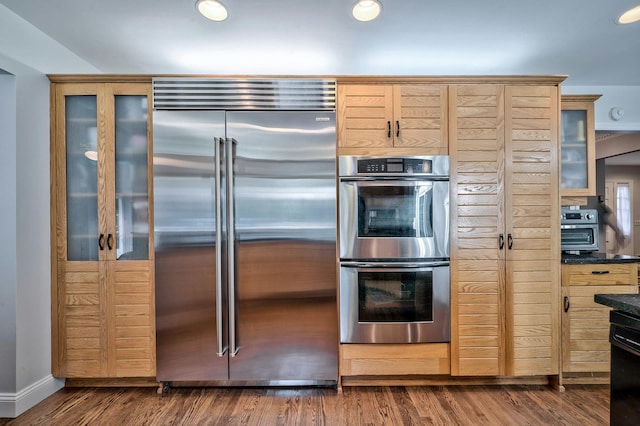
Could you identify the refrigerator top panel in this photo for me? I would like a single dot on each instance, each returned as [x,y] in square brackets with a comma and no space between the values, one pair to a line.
[294,94]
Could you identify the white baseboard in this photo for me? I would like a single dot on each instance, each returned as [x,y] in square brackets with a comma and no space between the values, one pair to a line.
[14,404]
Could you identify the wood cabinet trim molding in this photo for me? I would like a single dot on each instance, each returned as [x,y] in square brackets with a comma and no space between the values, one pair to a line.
[341,79]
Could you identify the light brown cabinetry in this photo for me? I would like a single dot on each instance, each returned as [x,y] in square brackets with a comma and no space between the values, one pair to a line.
[585,324]
[578,146]
[505,255]
[103,315]
[392,116]
[394,360]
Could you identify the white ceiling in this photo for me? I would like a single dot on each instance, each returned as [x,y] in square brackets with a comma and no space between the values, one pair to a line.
[292,37]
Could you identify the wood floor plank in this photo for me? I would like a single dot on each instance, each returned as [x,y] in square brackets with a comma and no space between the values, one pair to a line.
[373,405]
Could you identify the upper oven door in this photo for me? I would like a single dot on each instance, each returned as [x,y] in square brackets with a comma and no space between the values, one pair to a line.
[383,218]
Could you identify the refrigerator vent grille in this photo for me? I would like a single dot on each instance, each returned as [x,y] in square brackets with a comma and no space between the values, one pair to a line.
[244,94]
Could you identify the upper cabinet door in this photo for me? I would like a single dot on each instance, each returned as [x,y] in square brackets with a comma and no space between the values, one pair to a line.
[365,115]
[389,119]
[420,117]
[78,171]
[578,145]
[131,230]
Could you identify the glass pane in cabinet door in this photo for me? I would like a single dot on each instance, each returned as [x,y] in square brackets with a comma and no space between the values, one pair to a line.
[574,149]
[132,209]
[82,177]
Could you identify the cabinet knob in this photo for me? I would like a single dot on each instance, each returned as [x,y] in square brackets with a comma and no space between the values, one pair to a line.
[567,304]
[101,242]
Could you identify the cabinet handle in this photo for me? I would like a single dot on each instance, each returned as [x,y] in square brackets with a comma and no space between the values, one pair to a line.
[510,240]
[501,240]
[101,242]
[599,272]
[566,304]
[397,128]
[388,129]
[110,241]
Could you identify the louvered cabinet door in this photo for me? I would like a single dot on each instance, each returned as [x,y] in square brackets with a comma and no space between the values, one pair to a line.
[79,338]
[421,117]
[365,115]
[477,259]
[132,329]
[531,223]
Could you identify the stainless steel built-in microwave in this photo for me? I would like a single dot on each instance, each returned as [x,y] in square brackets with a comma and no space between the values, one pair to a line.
[579,230]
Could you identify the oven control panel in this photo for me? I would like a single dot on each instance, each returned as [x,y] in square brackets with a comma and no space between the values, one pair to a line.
[394,165]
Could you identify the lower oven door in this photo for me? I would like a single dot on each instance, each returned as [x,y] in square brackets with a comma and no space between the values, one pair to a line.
[394,302]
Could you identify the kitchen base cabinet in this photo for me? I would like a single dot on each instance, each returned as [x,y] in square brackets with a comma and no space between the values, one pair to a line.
[585,324]
[394,360]
[87,344]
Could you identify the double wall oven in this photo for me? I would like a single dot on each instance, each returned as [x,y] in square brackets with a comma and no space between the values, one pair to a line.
[394,249]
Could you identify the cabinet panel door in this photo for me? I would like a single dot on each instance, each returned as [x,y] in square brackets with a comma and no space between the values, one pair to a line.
[477,261]
[585,325]
[531,213]
[132,329]
[365,114]
[420,114]
[80,349]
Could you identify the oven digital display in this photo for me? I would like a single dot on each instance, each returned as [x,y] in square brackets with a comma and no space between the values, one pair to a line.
[394,165]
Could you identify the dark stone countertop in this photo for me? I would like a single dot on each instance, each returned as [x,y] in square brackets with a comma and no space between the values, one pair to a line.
[597,257]
[629,303]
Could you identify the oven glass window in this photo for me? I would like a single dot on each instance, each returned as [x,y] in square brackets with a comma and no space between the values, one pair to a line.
[395,296]
[395,211]
[578,236]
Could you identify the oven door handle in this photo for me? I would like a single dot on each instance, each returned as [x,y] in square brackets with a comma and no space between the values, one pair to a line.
[396,265]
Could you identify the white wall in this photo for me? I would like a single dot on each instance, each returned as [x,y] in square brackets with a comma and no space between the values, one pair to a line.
[27,55]
[8,258]
[625,97]
[24,246]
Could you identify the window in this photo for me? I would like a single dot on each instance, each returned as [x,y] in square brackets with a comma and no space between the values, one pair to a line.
[623,208]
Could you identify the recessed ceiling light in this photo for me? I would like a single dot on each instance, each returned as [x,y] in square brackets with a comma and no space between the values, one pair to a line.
[366,10]
[212,9]
[631,15]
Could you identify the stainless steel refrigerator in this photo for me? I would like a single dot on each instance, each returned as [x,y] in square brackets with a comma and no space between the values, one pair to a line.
[245,249]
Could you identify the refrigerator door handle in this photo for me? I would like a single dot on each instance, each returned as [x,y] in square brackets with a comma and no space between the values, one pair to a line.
[219,151]
[231,226]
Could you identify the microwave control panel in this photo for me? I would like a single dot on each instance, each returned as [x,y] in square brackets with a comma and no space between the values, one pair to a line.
[575,217]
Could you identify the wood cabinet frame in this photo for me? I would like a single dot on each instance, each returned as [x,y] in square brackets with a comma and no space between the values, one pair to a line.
[102,311]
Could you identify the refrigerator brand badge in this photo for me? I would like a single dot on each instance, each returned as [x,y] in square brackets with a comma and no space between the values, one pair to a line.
[323,119]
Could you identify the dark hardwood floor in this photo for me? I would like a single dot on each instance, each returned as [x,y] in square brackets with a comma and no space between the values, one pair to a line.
[424,405]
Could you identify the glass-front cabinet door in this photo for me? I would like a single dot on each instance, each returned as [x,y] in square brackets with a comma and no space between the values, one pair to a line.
[577,145]
[81,134]
[104,167]
[131,178]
